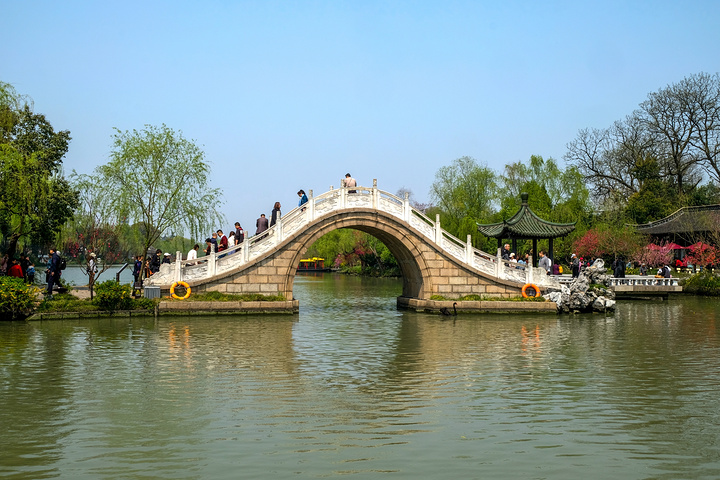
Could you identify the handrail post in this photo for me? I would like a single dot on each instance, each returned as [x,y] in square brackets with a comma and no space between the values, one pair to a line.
[406,207]
[278,230]
[375,195]
[498,264]
[212,267]
[530,269]
[178,266]
[468,250]
[343,196]
[438,230]
[311,208]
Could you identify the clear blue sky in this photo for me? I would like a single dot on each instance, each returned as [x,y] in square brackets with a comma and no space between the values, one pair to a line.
[283,95]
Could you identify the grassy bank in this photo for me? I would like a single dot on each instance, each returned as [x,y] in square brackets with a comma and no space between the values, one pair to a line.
[704,283]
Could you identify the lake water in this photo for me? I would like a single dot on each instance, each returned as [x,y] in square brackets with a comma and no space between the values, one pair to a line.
[352,387]
[75,275]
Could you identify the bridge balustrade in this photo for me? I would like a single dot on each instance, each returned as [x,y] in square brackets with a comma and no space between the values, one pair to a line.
[645,281]
[339,199]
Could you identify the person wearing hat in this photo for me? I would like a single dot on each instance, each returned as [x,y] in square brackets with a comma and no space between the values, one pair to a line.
[92,265]
[574,266]
[166,258]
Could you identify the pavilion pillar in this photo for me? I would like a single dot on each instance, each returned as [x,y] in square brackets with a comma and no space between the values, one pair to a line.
[550,251]
[534,253]
[514,248]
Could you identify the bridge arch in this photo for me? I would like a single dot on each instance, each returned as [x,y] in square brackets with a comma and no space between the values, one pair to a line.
[398,238]
[432,261]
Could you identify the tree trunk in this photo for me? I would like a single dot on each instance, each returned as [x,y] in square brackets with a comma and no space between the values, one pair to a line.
[12,245]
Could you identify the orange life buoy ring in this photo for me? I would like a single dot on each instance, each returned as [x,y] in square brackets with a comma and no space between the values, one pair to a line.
[187,290]
[530,285]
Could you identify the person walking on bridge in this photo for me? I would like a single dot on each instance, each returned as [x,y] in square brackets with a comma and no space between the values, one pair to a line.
[303,199]
[275,214]
[261,224]
[222,241]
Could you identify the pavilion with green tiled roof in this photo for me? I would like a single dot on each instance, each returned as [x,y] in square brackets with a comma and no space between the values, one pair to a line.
[526,225]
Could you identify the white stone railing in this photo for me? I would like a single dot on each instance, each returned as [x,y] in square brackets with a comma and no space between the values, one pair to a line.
[335,200]
[644,281]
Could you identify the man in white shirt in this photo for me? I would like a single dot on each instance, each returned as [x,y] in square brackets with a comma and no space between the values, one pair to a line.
[192,254]
[348,182]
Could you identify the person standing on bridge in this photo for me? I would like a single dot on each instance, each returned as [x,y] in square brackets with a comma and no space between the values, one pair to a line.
[275,214]
[348,182]
[261,224]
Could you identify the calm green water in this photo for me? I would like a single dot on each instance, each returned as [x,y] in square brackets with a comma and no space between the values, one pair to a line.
[353,387]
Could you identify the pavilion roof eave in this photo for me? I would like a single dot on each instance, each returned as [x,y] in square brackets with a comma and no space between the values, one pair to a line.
[525,224]
[684,220]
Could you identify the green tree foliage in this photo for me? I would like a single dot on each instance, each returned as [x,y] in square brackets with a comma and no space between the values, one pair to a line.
[351,248]
[555,194]
[35,200]
[159,181]
[464,194]
[655,199]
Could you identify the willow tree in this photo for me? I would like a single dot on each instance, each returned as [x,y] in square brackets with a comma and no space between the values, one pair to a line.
[464,193]
[35,199]
[94,229]
[160,184]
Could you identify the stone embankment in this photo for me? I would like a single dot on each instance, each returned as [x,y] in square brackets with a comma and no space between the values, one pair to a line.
[589,292]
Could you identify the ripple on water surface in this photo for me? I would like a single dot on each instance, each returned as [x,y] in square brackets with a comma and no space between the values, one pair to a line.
[352,386]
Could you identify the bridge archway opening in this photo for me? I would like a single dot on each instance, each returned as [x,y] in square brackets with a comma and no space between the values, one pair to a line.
[400,245]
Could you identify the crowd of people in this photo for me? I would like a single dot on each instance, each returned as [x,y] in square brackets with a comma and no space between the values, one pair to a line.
[19,267]
[218,242]
[520,262]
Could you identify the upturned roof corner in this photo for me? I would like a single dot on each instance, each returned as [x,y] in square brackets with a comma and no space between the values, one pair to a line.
[525,224]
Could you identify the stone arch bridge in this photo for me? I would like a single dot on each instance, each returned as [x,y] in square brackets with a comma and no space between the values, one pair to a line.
[432,261]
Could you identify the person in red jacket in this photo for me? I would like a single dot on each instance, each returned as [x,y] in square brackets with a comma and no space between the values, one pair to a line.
[15,270]
[222,241]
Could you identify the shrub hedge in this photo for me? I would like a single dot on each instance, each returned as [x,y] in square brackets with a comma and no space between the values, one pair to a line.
[703,283]
[17,299]
[111,295]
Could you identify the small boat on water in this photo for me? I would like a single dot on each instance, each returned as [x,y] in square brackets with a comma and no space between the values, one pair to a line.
[314,264]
